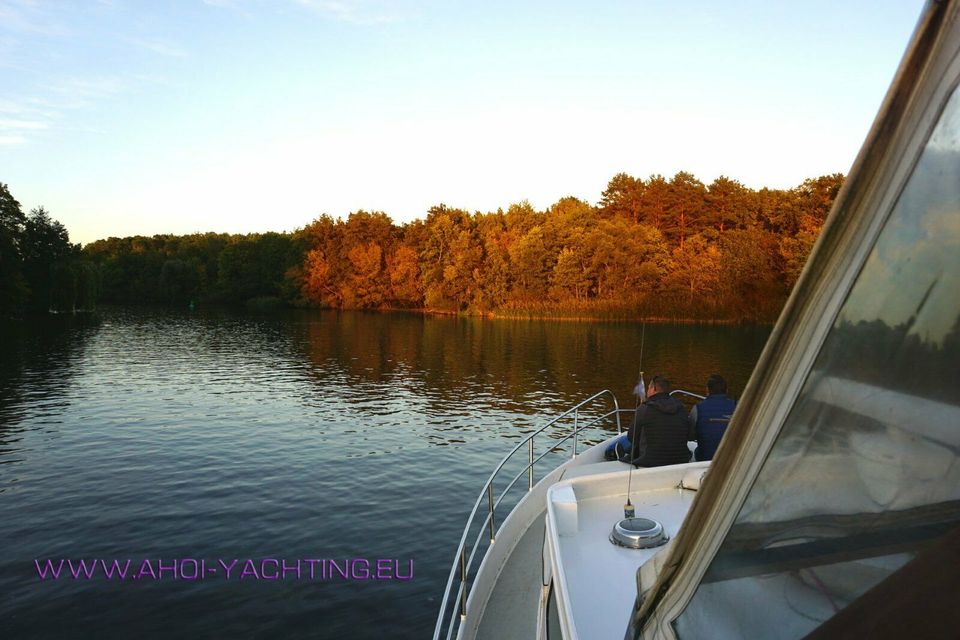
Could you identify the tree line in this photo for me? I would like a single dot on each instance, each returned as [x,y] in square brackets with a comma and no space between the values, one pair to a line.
[655,247]
[40,270]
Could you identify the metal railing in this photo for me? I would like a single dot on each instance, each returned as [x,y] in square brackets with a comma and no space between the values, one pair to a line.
[695,396]
[464,562]
[688,393]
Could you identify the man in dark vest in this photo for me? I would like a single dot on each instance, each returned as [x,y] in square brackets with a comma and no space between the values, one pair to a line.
[709,419]
[659,430]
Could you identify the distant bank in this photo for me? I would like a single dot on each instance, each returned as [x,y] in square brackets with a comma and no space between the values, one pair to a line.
[672,249]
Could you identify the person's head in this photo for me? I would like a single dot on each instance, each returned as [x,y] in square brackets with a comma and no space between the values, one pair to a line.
[716,384]
[660,384]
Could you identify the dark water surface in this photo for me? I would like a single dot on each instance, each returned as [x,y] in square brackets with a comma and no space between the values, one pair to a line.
[143,434]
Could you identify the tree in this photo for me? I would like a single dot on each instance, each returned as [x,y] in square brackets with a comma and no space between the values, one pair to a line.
[521,217]
[367,283]
[443,227]
[13,287]
[750,278]
[462,275]
[569,278]
[622,197]
[653,202]
[684,207]
[727,204]
[816,196]
[795,250]
[179,280]
[404,273]
[694,272]
[622,256]
[531,263]
[46,250]
[497,276]
[318,285]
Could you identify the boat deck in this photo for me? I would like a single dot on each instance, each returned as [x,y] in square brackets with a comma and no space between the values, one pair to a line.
[516,596]
[596,579]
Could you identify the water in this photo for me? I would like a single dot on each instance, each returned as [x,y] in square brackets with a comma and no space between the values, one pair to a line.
[144,434]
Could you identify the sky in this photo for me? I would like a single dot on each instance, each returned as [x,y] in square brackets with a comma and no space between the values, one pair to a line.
[141,117]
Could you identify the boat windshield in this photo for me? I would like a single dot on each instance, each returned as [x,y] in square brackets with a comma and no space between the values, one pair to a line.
[865,471]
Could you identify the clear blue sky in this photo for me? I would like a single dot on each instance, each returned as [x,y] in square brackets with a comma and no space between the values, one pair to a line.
[127,117]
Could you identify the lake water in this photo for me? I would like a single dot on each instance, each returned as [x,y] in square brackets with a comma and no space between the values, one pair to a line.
[140,434]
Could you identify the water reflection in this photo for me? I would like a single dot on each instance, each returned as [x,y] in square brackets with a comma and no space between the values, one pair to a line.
[213,434]
[38,359]
[458,368]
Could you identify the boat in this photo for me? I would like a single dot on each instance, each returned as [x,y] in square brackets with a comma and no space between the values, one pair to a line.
[832,506]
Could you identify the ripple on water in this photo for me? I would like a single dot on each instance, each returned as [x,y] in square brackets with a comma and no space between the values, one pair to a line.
[161,434]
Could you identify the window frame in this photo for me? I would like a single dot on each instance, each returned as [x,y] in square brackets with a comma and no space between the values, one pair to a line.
[928,75]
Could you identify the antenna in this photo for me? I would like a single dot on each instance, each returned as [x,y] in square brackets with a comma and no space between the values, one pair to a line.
[641,393]
[628,510]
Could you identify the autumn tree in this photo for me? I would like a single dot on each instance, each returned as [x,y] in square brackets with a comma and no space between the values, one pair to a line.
[532,264]
[521,217]
[794,249]
[404,273]
[749,278]
[319,286]
[684,207]
[653,201]
[727,204]
[816,195]
[462,275]
[496,278]
[693,273]
[622,197]
[443,227]
[676,246]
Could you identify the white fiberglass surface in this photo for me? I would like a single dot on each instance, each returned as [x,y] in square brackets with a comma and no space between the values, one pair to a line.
[598,578]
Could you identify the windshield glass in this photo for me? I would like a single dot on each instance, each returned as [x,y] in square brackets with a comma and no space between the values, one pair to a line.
[865,471]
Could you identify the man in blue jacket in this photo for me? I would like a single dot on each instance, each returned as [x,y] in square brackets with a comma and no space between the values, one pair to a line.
[709,419]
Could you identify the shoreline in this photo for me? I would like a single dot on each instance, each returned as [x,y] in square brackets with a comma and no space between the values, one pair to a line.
[486,315]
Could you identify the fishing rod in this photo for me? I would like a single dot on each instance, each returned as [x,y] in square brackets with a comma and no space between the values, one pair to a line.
[641,392]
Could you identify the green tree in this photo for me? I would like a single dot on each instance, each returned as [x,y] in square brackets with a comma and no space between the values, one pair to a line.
[46,251]
[179,281]
[13,287]
[255,266]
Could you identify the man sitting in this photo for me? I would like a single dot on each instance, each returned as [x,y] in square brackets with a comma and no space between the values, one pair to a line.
[710,417]
[659,430]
